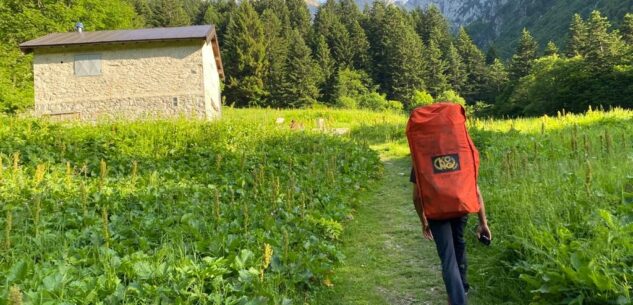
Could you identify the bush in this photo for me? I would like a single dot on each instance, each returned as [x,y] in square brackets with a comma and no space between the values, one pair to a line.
[420,98]
[346,102]
[395,105]
[451,96]
[373,101]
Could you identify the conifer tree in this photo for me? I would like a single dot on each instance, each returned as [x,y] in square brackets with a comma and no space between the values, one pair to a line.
[326,71]
[279,8]
[301,79]
[245,59]
[167,13]
[431,24]
[403,62]
[219,14]
[474,64]
[491,55]
[276,54]
[523,59]
[373,25]
[626,29]
[360,46]
[551,49]
[602,45]
[455,71]
[498,78]
[328,23]
[577,37]
[435,79]
[144,9]
[299,16]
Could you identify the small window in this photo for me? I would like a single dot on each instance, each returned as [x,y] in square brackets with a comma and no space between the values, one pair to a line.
[88,64]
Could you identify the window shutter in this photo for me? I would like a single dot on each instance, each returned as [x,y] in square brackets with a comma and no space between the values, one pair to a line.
[88,64]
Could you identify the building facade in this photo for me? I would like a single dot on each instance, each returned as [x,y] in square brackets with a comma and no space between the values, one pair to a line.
[132,74]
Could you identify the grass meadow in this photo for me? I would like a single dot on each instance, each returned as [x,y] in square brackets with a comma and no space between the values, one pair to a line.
[249,211]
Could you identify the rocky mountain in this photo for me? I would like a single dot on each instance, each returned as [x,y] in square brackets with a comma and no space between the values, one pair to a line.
[460,12]
[499,22]
[546,19]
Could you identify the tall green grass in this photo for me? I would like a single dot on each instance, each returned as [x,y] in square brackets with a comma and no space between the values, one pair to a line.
[240,211]
[188,212]
[558,192]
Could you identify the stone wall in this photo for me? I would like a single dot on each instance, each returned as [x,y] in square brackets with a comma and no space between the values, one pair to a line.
[148,107]
[136,80]
[212,96]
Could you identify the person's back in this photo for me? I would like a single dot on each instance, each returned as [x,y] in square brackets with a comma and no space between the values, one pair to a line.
[445,190]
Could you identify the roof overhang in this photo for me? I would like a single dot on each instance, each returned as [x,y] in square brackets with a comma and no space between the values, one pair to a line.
[155,35]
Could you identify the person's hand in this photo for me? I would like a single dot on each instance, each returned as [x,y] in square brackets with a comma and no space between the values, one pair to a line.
[426,231]
[485,230]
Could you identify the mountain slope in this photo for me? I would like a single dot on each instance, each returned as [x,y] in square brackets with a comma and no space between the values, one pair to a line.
[499,22]
[460,12]
[546,19]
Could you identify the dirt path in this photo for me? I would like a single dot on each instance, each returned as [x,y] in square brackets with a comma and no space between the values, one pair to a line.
[387,261]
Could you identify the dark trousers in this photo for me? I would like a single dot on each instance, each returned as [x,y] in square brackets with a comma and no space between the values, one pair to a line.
[451,247]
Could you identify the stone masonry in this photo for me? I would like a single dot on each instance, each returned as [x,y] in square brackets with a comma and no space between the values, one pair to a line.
[137,80]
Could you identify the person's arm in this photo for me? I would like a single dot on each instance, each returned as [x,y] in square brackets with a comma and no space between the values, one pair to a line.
[419,208]
[483,221]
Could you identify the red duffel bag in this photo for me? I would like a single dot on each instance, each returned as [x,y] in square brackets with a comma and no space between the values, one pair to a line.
[445,160]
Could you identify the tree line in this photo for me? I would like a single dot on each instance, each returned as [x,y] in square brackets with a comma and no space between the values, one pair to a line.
[277,54]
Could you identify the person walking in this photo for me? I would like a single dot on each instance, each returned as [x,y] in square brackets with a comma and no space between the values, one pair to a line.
[444,175]
[448,235]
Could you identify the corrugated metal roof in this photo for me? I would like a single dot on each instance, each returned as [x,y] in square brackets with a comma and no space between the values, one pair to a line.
[204,32]
[101,37]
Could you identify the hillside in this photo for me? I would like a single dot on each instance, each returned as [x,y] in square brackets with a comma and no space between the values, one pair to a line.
[547,20]
[499,22]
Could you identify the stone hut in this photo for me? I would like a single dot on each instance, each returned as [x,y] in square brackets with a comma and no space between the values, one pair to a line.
[147,73]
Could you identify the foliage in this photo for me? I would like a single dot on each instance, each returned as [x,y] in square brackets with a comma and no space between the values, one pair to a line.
[24,20]
[435,77]
[395,51]
[168,13]
[420,98]
[181,212]
[346,102]
[551,49]
[558,191]
[373,101]
[351,83]
[300,81]
[395,106]
[524,57]
[246,46]
[474,65]
[546,20]
[451,96]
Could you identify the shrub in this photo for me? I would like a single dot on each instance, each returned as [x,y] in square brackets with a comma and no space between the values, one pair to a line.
[451,96]
[420,98]
[373,101]
[346,102]
[395,105]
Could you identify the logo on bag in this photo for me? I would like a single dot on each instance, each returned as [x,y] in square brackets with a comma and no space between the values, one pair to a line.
[445,163]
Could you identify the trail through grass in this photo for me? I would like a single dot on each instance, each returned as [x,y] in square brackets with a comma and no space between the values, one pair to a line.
[387,261]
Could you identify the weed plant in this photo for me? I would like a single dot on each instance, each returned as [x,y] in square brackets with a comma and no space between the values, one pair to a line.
[240,211]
